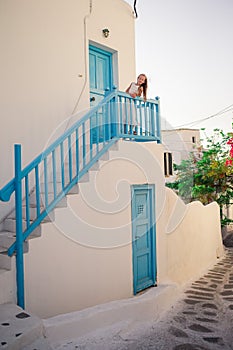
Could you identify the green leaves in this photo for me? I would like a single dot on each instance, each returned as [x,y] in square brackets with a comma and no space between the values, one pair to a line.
[206,175]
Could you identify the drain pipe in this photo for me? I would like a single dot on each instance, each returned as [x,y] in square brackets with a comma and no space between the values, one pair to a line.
[85,56]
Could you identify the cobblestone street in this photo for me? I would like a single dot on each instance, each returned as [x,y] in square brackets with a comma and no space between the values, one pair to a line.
[201,320]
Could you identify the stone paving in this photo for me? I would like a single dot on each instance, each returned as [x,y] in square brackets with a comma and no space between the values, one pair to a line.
[201,320]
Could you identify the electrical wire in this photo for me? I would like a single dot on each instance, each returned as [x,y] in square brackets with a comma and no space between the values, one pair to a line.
[195,122]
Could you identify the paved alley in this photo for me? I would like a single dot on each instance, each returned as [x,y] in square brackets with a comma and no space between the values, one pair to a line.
[201,320]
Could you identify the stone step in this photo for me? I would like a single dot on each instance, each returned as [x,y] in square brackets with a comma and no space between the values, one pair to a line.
[33,201]
[105,156]
[89,154]
[2,248]
[5,260]
[40,344]
[8,285]
[95,166]
[85,178]
[9,225]
[33,214]
[74,189]
[18,328]
[7,239]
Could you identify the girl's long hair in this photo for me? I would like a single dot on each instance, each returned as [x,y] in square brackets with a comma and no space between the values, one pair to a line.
[144,87]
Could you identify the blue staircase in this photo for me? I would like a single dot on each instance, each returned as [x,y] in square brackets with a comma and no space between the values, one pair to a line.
[44,183]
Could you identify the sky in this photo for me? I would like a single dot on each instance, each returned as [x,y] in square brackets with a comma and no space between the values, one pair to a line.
[185,47]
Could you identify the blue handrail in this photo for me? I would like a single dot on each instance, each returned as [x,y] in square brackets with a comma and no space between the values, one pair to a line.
[52,174]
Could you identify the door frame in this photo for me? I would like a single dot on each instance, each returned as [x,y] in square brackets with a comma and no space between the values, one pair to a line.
[108,54]
[100,132]
[150,188]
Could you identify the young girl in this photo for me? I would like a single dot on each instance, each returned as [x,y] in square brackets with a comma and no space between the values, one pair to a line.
[134,90]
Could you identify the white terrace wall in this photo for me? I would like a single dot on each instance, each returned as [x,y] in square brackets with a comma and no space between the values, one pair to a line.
[180,142]
[85,257]
[190,239]
[44,68]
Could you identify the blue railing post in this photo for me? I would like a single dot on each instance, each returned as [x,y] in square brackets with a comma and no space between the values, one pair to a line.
[19,228]
[107,117]
[158,122]
[152,118]
[114,115]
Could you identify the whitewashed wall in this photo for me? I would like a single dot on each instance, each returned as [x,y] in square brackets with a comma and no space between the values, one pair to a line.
[189,239]
[180,142]
[44,68]
[85,257]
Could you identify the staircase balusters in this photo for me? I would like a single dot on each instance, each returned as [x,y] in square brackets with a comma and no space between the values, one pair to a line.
[84,143]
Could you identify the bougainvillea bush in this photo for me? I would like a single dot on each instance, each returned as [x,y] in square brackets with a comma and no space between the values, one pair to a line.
[207,175]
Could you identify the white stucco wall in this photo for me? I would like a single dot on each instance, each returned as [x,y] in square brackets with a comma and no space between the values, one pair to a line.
[179,142]
[85,256]
[44,68]
[189,239]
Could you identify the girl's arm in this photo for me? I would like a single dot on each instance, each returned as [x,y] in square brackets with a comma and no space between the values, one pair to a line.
[127,90]
[139,91]
[132,95]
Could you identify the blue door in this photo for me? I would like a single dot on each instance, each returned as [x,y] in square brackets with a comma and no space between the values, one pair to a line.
[100,72]
[144,242]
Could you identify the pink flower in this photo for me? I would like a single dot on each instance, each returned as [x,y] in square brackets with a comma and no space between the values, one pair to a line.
[230,142]
[228,162]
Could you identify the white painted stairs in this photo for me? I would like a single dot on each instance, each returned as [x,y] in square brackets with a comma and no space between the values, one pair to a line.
[7,229]
[19,329]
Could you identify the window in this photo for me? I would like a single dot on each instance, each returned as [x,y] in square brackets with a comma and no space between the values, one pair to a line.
[193,139]
[168,164]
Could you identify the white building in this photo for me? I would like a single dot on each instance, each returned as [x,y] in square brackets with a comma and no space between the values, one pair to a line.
[178,144]
[181,142]
[120,231]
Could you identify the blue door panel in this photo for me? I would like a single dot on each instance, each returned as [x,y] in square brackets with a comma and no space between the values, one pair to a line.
[92,64]
[143,243]
[143,267]
[143,229]
[103,73]
[100,72]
